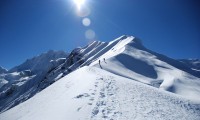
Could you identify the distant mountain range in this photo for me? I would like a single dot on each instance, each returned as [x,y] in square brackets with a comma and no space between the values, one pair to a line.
[118,72]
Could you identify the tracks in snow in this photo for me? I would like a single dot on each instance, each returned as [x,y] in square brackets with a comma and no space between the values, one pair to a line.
[113,99]
[106,103]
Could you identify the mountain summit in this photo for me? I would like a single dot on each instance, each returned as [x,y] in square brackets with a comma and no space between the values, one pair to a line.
[113,80]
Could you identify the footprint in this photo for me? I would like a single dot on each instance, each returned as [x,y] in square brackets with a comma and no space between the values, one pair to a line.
[105,116]
[79,109]
[96,82]
[102,95]
[95,112]
[91,99]
[89,103]
[82,95]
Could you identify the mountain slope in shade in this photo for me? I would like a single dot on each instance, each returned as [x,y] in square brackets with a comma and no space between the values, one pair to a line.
[21,82]
[194,64]
[37,63]
[3,70]
[2,81]
[95,94]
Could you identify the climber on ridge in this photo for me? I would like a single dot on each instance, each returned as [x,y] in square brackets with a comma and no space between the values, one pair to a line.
[104,60]
[100,64]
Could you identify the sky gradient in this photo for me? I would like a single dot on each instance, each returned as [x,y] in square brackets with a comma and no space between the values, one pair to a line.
[31,27]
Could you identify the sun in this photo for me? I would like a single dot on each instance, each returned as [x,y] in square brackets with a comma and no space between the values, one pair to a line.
[79,3]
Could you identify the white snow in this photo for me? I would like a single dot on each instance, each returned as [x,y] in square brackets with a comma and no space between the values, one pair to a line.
[125,59]
[3,82]
[92,93]
[40,62]
[123,81]
[22,82]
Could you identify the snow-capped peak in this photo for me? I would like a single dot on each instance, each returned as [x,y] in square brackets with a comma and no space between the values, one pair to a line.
[106,80]
[24,81]
[37,63]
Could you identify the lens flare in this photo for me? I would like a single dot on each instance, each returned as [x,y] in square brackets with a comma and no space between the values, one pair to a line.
[86,22]
[79,3]
[83,12]
[90,34]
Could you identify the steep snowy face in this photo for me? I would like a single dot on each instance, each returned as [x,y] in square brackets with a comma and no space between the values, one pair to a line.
[23,81]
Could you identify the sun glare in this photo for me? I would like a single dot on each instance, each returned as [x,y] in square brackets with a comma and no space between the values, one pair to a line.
[79,3]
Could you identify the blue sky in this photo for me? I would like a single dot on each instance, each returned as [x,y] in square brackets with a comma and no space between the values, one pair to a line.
[31,27]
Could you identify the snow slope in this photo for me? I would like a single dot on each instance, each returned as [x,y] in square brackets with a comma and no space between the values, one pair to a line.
[124,59]
[130,59]
[95,94]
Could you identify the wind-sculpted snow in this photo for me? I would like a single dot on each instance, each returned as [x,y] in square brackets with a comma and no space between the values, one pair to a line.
[137,65]
[178,64]
[130,59]
[90,93]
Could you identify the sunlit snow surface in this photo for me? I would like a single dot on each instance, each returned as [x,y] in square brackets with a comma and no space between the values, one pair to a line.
[92,93]
[130,59]
[119,80]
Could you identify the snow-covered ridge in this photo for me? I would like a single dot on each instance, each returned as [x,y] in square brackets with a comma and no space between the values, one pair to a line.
[125,57]
[37,63]
[90,93]
[130,59]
